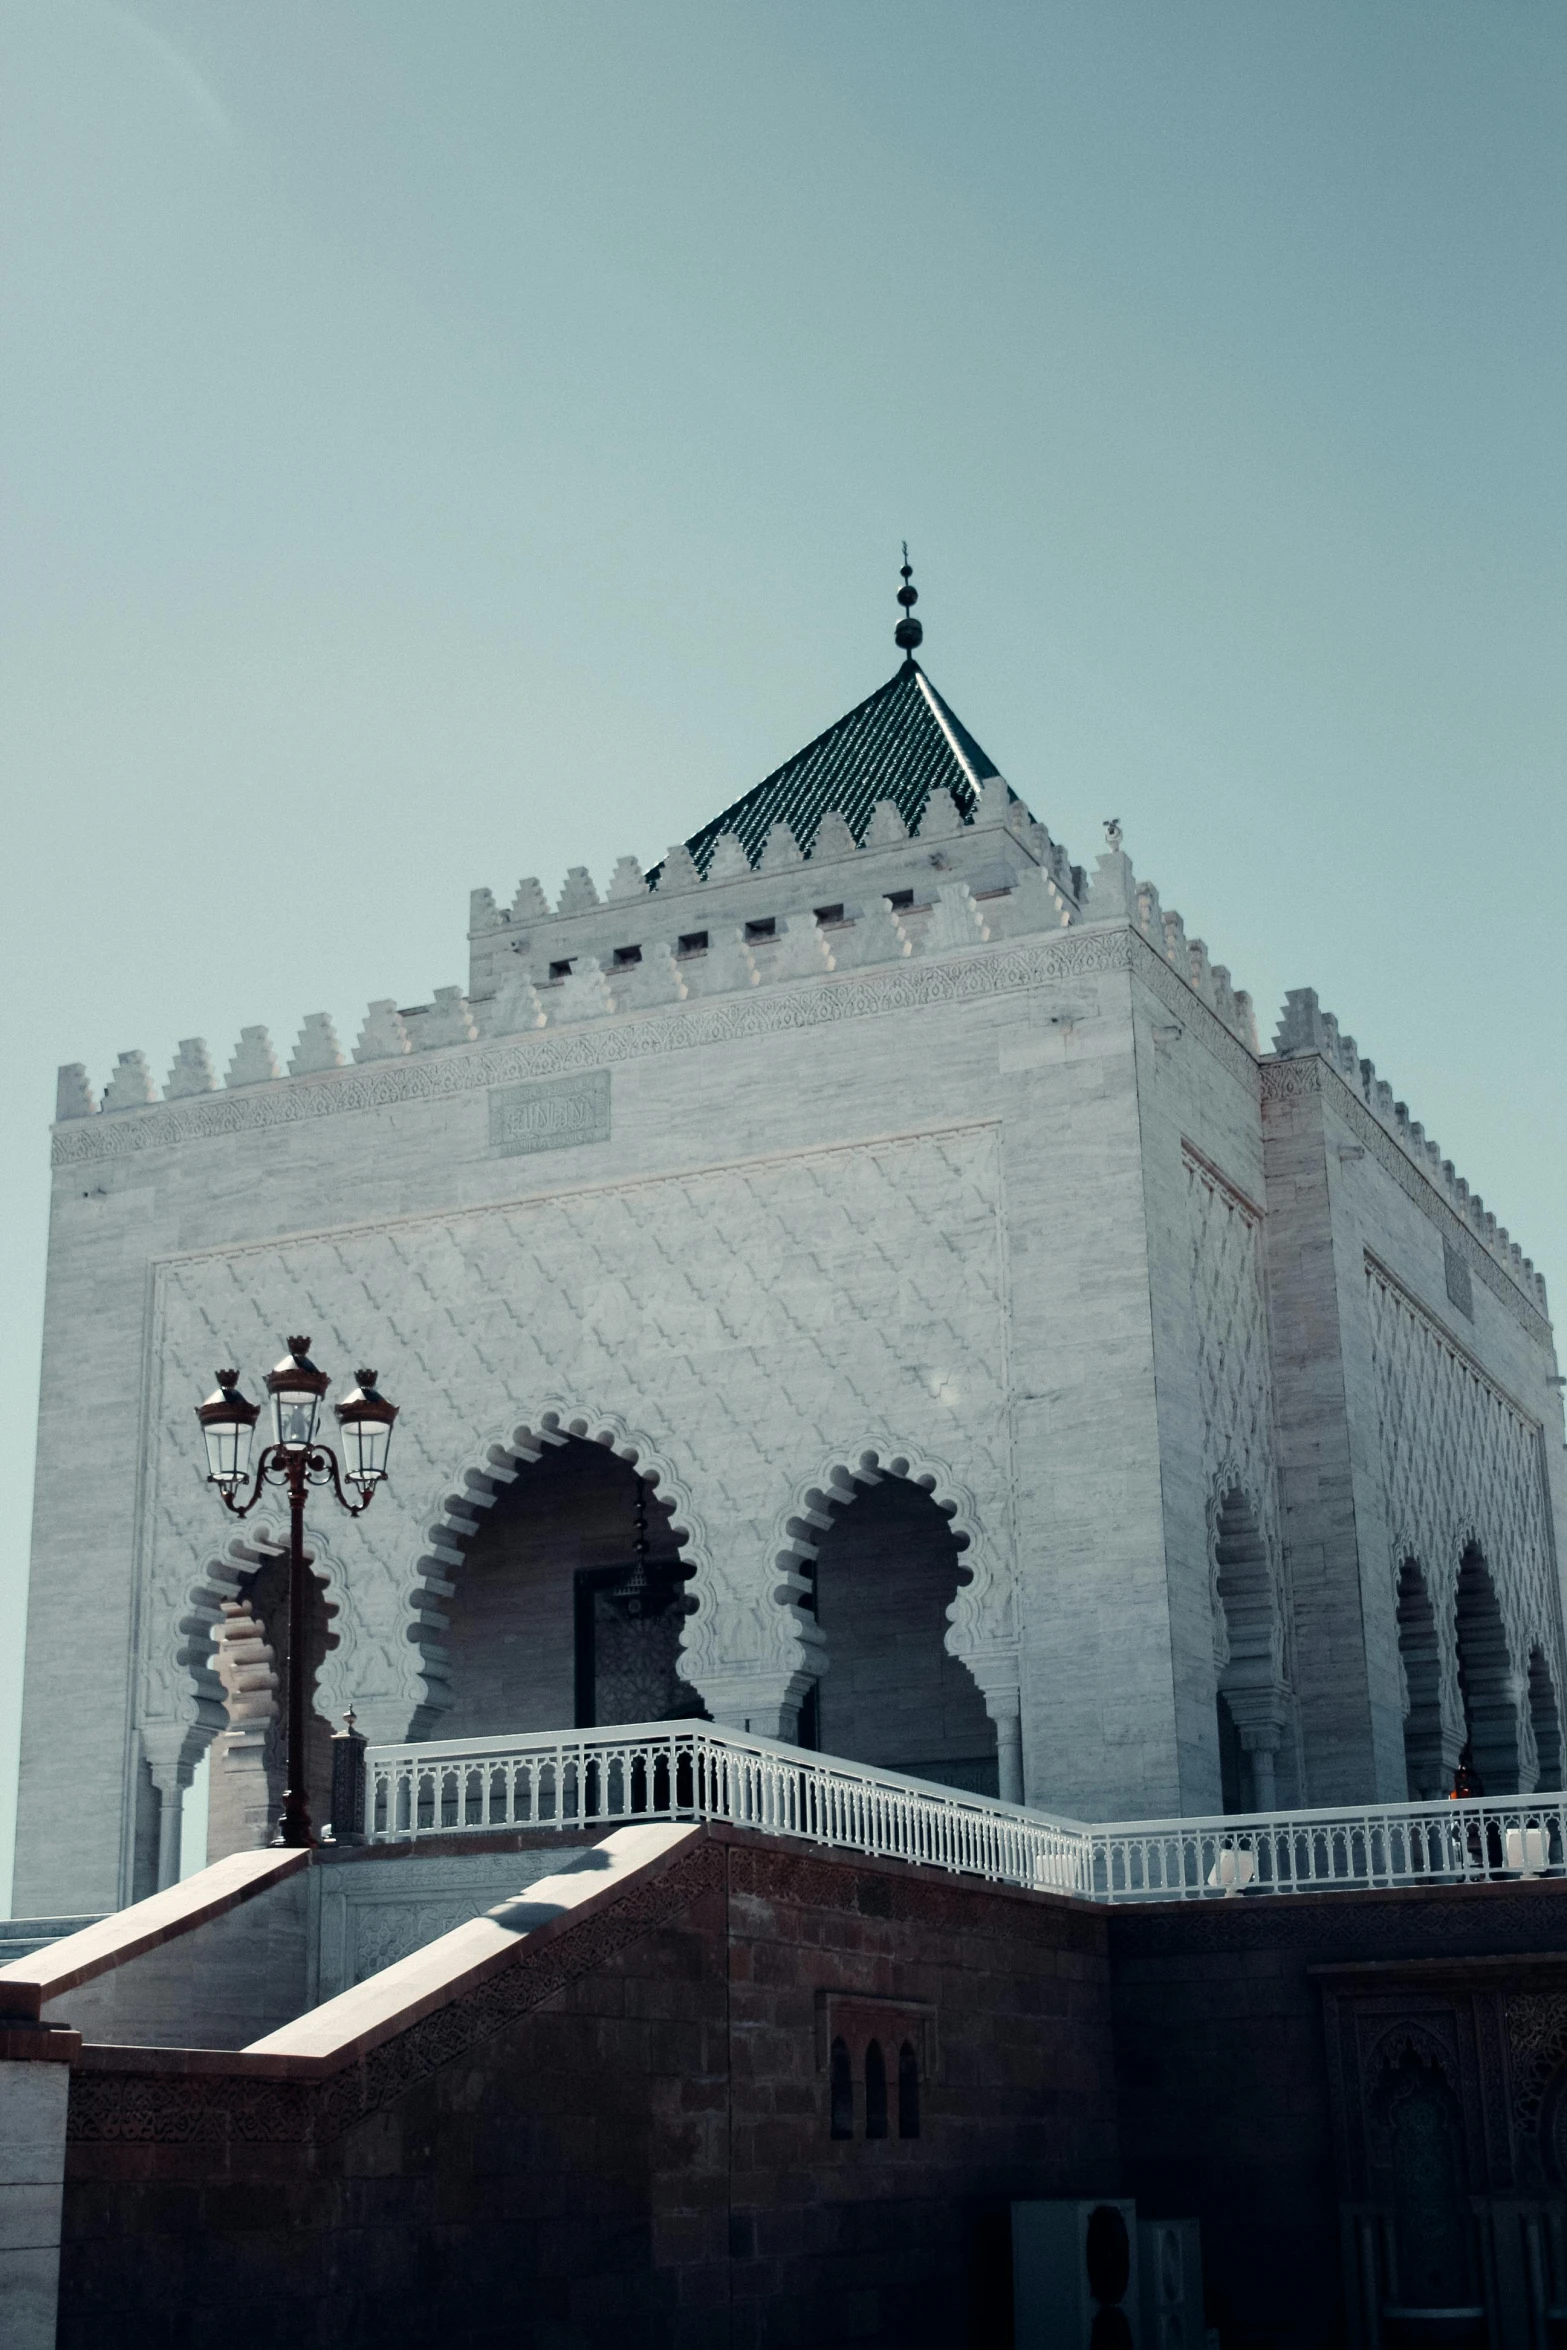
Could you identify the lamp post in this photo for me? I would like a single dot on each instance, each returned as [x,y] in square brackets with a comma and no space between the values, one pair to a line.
[296,1461]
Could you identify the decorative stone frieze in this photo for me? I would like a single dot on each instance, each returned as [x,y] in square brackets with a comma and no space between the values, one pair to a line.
[438,1076]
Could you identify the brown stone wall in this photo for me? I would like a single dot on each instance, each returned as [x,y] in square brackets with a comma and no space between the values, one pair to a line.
[625,2138]
[1225,2104]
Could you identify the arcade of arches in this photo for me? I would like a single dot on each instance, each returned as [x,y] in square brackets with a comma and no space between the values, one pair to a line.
[1490,1737]
[568,1607]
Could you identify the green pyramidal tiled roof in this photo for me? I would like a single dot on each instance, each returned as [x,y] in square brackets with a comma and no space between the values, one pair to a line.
[901,744]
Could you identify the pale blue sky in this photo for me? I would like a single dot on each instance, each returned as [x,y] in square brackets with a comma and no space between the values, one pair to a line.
[439,443]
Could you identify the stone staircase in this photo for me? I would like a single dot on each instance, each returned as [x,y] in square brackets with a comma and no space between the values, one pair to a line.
[20,1937]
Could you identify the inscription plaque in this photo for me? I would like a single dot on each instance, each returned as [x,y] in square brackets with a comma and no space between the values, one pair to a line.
[549,1114]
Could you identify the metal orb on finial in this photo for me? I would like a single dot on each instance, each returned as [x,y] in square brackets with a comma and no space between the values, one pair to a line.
[908,632]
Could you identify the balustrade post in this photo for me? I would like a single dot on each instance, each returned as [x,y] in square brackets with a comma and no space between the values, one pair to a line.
[348,1823]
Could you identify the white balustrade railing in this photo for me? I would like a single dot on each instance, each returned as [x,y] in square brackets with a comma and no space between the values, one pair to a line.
[1348,1849]
[694,1771]
[574,1779]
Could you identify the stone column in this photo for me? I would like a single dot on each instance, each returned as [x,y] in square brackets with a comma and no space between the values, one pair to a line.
[35,2082]
[1262,1746]
[1260,1716]
[1005,1710]
[171,1751]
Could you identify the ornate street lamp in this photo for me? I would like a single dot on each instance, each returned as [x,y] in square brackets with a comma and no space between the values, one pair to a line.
[296,1461]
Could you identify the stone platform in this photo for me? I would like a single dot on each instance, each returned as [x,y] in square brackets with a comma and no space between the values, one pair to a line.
[689,2085]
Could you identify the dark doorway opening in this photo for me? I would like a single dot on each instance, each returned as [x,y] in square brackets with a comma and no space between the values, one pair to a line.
[886,1572]
[548,1628]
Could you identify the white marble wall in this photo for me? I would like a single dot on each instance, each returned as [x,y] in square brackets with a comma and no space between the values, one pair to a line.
[1003,1202]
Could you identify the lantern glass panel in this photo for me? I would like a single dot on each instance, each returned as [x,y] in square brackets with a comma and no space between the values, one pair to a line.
[366,1444]
[228,1449]
[294,1413]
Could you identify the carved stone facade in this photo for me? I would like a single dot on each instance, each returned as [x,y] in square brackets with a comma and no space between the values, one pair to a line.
[890,1146]
[1449,2088]
[1465,1476]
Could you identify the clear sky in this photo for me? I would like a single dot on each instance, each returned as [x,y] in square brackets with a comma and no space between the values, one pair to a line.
[442,443]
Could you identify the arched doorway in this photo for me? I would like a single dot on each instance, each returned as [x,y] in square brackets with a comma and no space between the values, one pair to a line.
[1432,2226]
[1428,1766]
[885,1573]
[568,1603]
[249,1768]
[1545,1721]
[1485,1678]
[1251,1704]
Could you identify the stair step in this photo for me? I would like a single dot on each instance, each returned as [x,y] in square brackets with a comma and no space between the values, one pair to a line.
[20,1937]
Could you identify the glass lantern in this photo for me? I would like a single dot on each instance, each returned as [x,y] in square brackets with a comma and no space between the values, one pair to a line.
[228,1423]
[296,1388]
[365,1417]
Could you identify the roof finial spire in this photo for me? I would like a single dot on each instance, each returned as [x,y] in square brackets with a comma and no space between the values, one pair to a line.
[908,632]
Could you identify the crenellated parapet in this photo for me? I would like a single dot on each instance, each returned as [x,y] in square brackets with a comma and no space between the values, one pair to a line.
[1116,895]
[841,881]
[1305,1030]
[681,936]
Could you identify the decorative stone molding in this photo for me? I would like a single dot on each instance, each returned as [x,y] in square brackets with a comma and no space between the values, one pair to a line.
[1537,2051]
[438,1076]
[185,1693]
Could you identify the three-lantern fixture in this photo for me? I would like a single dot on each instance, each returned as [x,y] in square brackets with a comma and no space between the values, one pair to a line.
[296,1389]
[296,1459]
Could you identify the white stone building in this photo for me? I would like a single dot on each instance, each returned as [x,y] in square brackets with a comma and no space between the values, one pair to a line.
[1029,1382]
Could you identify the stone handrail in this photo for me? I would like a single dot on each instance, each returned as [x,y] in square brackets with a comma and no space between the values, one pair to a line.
[571,1779]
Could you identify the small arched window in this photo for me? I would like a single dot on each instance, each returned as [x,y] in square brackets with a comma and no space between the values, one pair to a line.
[908,2091]
[875,2091]
[842,2091]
